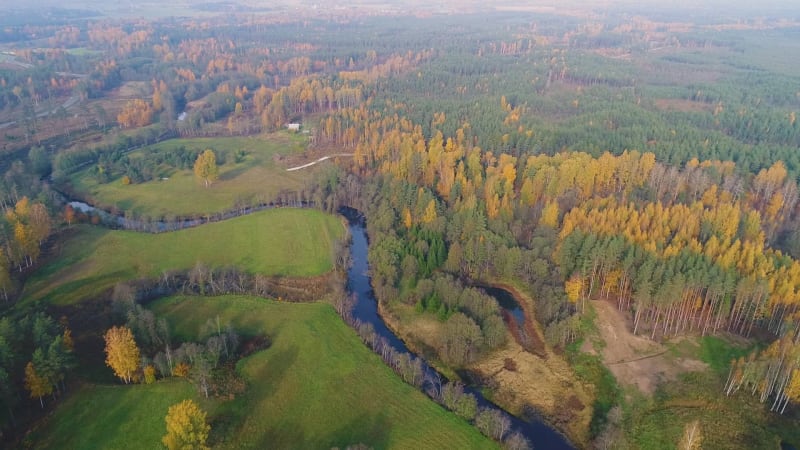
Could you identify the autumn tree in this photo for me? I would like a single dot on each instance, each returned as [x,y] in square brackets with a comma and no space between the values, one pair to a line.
[692,437]
[36,384]
[205,167]
[550,215]
[149,374]
[122,354]
[30,224]
[186,427]
[136,113]
[69,214]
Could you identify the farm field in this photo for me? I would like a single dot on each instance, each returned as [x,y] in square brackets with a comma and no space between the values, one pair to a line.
[112,416]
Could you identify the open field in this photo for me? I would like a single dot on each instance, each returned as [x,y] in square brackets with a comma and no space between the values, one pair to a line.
[291,242]
[112,417]
[317,386]
[257,177]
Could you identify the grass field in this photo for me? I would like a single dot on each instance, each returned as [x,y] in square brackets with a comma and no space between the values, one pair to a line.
[112,417]
[291,242]
[316,386]
[258,177]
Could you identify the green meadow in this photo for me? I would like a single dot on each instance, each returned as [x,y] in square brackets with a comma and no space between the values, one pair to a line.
[316,386]
[112,416]
[283,241]
[257,177]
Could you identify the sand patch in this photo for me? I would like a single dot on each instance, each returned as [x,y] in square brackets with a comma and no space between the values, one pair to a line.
[636,360]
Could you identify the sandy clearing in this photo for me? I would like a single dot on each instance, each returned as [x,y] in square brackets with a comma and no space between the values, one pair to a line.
[636,360]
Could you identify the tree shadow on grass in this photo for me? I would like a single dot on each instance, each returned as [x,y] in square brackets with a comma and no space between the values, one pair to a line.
[370,430]
[233,173]
[232,419]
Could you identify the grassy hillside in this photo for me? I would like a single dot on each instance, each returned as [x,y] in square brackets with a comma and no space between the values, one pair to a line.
[317,386]
[292,242]
[258,177]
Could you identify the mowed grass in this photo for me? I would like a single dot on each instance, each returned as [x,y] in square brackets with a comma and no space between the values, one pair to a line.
[317,386]
[258,177]
[284,241]
[112,417]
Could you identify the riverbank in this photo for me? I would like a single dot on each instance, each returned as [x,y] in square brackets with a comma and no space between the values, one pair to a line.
[367,310]
[545,381]
[521,382]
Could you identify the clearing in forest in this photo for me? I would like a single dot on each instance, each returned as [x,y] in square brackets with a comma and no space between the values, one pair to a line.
[635,360]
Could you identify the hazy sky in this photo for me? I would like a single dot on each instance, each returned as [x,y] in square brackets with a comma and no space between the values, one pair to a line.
[747,8]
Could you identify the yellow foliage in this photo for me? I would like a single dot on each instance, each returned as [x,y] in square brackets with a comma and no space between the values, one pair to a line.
[69,343]
[136,113]
[149,374]
[407,218]
[186,427]
[181,370]
[692,437]
[430,212]
[122,354]
[37,385]
[793,389]
[550,215]
[574,288]
[205,167]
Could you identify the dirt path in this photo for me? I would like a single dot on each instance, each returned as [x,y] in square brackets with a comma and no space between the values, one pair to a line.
[636,360]
[292,169]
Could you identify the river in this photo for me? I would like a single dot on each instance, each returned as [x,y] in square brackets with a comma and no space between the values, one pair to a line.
[541,435]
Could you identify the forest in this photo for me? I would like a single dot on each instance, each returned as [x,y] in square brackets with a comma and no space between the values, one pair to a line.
[608,168]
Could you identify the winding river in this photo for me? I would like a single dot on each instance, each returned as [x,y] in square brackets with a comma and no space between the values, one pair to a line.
[536,431]
[365,309]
